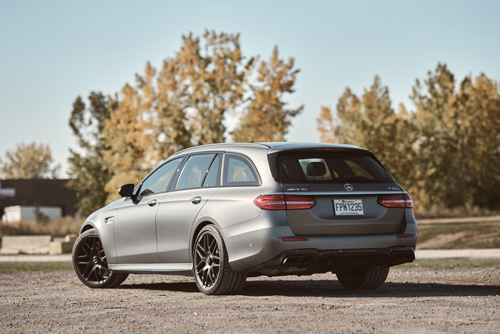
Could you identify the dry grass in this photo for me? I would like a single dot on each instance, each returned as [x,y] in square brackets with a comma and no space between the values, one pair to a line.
[451,264]
[33,267]
[459,236]
[57,227]
[422,212]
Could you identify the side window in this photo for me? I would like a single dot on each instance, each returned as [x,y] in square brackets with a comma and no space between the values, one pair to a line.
[238,172]
[194,171]
[213,174]
[159,180]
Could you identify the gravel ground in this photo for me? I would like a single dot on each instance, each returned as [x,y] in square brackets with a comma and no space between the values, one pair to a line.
[411,301]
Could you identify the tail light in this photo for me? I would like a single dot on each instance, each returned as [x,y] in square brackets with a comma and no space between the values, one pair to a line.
[282,202]
[396,201]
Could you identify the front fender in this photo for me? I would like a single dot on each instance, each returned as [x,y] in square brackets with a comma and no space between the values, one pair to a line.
[101,222]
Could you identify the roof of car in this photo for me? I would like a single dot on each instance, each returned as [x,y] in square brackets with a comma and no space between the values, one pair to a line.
[266,145]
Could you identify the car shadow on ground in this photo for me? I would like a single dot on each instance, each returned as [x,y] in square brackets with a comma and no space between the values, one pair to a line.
[170,286]
[334,289]
[325,288]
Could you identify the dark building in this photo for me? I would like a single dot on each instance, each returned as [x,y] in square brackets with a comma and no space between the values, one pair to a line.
[42,192]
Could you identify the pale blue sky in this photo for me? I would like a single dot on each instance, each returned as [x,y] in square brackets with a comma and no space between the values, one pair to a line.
[53,51]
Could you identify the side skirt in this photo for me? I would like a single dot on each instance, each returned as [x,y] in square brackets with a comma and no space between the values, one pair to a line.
[184,269]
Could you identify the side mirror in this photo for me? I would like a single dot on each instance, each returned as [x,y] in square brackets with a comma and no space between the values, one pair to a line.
[127,190]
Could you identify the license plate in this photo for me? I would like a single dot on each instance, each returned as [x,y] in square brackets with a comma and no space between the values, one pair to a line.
[348,207]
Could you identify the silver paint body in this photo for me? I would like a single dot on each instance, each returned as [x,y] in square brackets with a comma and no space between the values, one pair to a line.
[158,239]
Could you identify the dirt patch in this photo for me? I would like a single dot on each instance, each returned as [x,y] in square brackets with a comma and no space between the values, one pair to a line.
[414,300]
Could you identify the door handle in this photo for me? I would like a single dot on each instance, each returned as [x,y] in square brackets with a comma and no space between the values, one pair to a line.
[196,200]
[152,202]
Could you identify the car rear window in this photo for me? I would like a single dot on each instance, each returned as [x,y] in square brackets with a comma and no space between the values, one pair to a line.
[330,167]
[238,172]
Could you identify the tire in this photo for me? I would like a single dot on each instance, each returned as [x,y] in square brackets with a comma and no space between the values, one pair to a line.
[362,279]
[211,268]
[90,263]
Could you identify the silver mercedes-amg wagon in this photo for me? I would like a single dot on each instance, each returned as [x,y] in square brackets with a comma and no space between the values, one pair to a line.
[224,212]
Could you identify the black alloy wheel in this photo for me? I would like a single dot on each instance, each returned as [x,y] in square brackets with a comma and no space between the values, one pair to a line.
[211,269]
[90,263]
[207,260]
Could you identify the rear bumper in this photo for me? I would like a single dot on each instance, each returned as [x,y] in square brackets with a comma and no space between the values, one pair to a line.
[258,245]
[308,261]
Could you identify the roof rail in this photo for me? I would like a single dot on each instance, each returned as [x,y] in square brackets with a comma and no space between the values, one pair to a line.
[223,144]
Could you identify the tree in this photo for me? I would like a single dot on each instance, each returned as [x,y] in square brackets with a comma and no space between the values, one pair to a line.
[480,139]
[266,118]
[40,217]
[214,77]
[371,122]
[29,161]
[131,149]
[183,104]
[326,126]
[172,123]
[87,170]
[459,137]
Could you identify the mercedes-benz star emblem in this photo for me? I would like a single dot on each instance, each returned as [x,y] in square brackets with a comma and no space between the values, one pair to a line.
[348,187]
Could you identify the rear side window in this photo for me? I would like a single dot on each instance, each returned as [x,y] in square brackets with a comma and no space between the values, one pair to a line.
[330,167]
[213,175]
[194,171]
[239,172]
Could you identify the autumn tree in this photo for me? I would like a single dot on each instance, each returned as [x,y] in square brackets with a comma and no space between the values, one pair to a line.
[371,122]
[214,73]
[131,150]
[186,103]
[326,126]
[266,118]
[171,124]
[446,151]
[459,138]
[480,101]
[87,171]
[29,161]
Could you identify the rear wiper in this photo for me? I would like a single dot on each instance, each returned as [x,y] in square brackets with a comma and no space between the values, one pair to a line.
[346,178]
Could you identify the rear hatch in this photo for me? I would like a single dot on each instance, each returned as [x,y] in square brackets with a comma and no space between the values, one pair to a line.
[352,192]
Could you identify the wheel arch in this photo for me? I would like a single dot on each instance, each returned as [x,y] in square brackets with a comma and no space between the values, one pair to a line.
[87,226]
[202,222]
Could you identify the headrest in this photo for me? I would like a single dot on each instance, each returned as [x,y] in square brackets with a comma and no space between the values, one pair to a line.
[316,169]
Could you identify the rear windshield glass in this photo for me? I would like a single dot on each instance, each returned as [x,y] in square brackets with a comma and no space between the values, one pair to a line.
[330,167]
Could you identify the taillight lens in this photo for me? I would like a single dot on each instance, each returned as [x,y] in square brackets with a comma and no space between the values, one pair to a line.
[299,202]
[282,202]
[270,202]
[396,201]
